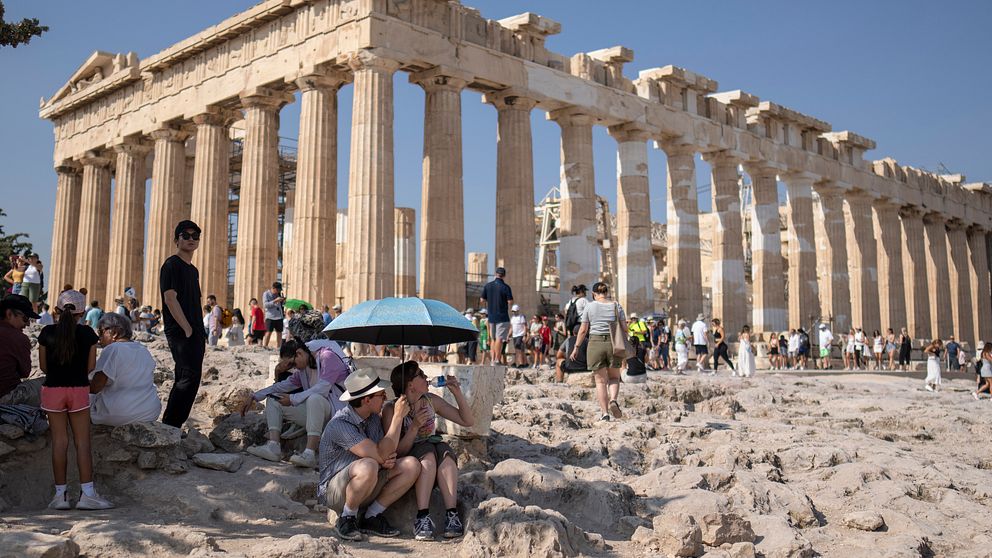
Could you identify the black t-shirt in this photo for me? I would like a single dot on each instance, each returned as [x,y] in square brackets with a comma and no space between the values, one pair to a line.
[183,278]
[76,372]
[579,364]
[635,364]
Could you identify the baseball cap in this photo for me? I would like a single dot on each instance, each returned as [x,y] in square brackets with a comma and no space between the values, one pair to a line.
[515,308]
[73,297]
[183,225]
[19,303]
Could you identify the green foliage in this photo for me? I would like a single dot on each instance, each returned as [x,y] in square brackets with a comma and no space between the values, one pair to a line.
[15,243]
[13,34]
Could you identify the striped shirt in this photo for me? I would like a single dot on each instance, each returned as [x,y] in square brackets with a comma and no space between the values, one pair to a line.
[344,431]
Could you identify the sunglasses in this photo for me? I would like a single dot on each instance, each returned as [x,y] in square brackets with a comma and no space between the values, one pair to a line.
[189,236]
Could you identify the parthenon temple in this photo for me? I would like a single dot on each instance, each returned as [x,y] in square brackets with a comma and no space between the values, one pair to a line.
[865,243]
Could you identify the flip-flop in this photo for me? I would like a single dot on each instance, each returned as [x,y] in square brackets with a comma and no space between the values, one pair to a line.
[615,409]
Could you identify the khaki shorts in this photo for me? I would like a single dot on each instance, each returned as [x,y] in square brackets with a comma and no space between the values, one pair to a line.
[599,353]
[338,485]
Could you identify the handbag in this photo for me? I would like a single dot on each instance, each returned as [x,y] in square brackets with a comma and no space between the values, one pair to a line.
[618,336]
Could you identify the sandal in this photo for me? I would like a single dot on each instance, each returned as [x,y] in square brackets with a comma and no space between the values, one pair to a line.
[615,409]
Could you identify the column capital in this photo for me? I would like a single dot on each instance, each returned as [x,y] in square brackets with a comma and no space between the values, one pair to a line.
[169,133]
[724,157]
[92,158]
[571,116]
[760,168]
[310,79]
[441,78]
[799,177]
[509,99]
[264,98]
[932,217]
[829,189]
[68,167]
[956,224]
[215,116]
[911,212]
[859,194]
[134,146]
[630,132]
[675,147]
[886,204]
[369,60]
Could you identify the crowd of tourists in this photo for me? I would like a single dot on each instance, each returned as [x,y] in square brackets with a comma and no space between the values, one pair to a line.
[368,450]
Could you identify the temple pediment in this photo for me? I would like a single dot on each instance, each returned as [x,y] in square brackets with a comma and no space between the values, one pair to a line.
[98,67]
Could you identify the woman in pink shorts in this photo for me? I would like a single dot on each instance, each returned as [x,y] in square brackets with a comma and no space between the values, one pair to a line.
[66,354]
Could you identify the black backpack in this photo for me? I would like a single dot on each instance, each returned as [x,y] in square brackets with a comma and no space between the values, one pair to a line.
[571,316]
[804,341]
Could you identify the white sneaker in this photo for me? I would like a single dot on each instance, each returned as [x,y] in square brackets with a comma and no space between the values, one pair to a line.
[929,387]
[60,502]
[265,452]
[305,460]
[975,395]
[94,502]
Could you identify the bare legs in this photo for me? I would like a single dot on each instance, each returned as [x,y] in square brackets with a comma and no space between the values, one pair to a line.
[80,423]
[365,475]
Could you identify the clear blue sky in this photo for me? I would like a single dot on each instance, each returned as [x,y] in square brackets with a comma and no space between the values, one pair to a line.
[913,75]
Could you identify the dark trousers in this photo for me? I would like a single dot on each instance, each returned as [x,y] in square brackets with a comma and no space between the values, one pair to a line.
[663,349]
[721,351]
[188,354]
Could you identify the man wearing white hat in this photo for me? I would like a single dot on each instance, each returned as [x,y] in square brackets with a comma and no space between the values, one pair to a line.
[358,463]
[518,327]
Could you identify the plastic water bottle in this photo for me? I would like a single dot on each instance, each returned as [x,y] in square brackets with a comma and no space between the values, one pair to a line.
[437,381]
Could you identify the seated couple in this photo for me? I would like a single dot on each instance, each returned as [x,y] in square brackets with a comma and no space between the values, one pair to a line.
[372,452]
[307,392]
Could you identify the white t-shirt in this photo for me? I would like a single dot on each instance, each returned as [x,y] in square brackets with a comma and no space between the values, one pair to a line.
[793,342]
[699,332]
[130,394]
[31,275]
[519,324]
[859,340]
[826,337]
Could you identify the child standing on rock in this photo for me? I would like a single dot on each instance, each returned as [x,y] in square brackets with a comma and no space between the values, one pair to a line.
[66,354]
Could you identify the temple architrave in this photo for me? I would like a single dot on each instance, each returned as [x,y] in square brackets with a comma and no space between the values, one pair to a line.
[865,243]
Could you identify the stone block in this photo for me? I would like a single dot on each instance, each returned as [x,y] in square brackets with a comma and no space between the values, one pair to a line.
[229,462]
[147,460]
[235,433]
[678,534]
[723,528]
[482,387]
[147,435]
[580,379]
[864,520]
[195,442]
[5,449]
[37,545]
[383,366]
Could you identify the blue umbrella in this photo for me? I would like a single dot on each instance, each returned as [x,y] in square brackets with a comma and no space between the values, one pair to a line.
[402,321]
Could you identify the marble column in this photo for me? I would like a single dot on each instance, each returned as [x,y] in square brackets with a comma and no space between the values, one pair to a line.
[960,281]
[478,267]
[168,167]
[211,183]
[768,310]
[442,221]
[255,267]
[94,228]
[891,284]
[804,292]
[578,248]
[635,266]
[862,262]
[371,256]
[727,280]
[406,253]
[683,265]
[831,261]
[914,266]
[515,230]
[979,272]
[65,228]
[939,295]
[127,230]
[312,273]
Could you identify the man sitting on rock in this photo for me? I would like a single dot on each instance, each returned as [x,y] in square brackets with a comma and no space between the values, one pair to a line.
[358,464]
[15,353]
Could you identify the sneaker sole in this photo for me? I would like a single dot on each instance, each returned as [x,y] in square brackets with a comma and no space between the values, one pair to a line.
[453,535]
[387,535]
[615,410]
[424,538]
[355,537]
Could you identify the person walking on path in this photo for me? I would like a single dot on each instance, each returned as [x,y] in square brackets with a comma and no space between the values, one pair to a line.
[682,337]
[498,298]
[236,333]
[66,354]
[256,325]
[31,285]
[952,347]
[272,300]
[215,321]
[745,356]
[700,342]
[596,320]
[984,371]
[179,284]
[826,339]
[877,348]
[719,337]
[905,350]
[933,364]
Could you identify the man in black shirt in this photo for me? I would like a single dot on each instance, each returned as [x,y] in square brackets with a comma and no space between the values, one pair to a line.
[179,282]
[498,298]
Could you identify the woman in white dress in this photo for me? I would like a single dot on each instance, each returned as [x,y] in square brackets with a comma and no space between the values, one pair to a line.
[236,333]
[682,334]
[933,364]
[745,354]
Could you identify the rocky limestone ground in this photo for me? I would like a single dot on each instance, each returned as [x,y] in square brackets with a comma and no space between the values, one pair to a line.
[775,466]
